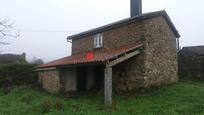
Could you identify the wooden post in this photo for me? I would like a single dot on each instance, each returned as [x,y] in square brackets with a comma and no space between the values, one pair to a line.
[108,86]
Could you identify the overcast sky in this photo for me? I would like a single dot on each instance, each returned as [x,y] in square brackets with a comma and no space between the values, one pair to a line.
[45,24]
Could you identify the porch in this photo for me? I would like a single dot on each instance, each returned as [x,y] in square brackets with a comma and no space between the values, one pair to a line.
[76,73]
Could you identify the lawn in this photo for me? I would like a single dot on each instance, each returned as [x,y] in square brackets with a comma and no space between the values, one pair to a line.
[183,98]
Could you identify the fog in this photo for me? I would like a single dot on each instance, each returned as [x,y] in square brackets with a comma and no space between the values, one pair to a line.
[44,24]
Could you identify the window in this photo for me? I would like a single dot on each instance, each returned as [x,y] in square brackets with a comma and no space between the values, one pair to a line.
[98,41]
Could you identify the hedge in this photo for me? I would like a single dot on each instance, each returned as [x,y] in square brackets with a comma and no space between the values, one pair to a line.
[17,74]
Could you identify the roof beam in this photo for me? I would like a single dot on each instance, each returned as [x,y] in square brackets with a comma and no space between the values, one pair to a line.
[46,69]
[123,58]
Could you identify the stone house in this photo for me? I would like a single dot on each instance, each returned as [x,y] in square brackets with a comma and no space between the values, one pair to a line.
[191,62]
[129,55]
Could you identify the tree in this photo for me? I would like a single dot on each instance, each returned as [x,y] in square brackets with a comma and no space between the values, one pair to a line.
[36,61]
[6,30]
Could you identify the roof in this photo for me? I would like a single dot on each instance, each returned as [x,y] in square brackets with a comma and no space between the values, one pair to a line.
[127,21]
[100,56]
[199,50]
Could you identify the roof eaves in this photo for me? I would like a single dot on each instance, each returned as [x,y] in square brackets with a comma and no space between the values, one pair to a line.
[72,65]
[100,59]
[127,21]
[172,26]
[193,50]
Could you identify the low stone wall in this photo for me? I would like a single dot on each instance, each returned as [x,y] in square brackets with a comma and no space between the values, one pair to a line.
[50,80]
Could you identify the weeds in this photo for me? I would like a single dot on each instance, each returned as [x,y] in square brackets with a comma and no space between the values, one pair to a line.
[58,105]
[26,99]
[45,106]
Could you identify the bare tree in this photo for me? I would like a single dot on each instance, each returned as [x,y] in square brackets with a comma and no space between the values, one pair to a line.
[6,30]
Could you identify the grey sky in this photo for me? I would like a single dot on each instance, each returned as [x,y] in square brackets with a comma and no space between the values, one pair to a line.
[45,24]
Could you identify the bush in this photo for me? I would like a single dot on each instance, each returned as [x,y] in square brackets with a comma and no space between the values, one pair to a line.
[17,74]
[45,106]
[6,90]
[58,105]
[27,99]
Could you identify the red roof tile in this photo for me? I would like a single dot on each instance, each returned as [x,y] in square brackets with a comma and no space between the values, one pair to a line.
[99,56]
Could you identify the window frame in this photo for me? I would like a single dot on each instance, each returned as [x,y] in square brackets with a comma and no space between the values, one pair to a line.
[98,40]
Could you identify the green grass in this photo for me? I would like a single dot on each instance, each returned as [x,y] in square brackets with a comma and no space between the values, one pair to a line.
[183,98]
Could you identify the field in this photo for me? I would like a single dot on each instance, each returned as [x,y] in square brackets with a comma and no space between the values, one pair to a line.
[183,98]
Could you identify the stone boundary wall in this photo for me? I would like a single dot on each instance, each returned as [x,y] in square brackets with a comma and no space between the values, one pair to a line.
[190,65]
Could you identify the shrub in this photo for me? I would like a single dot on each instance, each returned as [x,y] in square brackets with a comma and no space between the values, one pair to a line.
[76,106]
[58,105]
[45,106]
[6,90]
[26,99]
[17,74]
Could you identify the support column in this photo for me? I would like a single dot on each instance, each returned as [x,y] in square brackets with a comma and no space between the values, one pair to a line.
[108,86]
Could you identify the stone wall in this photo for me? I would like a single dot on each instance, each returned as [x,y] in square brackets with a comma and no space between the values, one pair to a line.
[155,66]
[128,76]
[124,35]
[68,79]
[50,80]
[160,53]
[190,65]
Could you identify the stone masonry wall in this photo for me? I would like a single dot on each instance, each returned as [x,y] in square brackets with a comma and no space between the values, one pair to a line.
[124,35]
[190,65]
[128,76]
[68,79]
[50,81]
[160,54]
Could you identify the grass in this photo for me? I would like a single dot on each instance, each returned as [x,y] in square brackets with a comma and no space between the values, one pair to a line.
[183,98]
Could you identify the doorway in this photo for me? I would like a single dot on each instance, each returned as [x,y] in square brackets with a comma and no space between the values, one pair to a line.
[81,79]
[99,74]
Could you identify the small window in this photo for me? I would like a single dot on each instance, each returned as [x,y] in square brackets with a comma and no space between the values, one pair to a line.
[98,41]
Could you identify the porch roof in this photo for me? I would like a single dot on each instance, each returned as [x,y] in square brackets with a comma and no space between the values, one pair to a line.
[100,56]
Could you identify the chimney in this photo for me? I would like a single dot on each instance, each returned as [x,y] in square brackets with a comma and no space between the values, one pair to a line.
[136,7]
